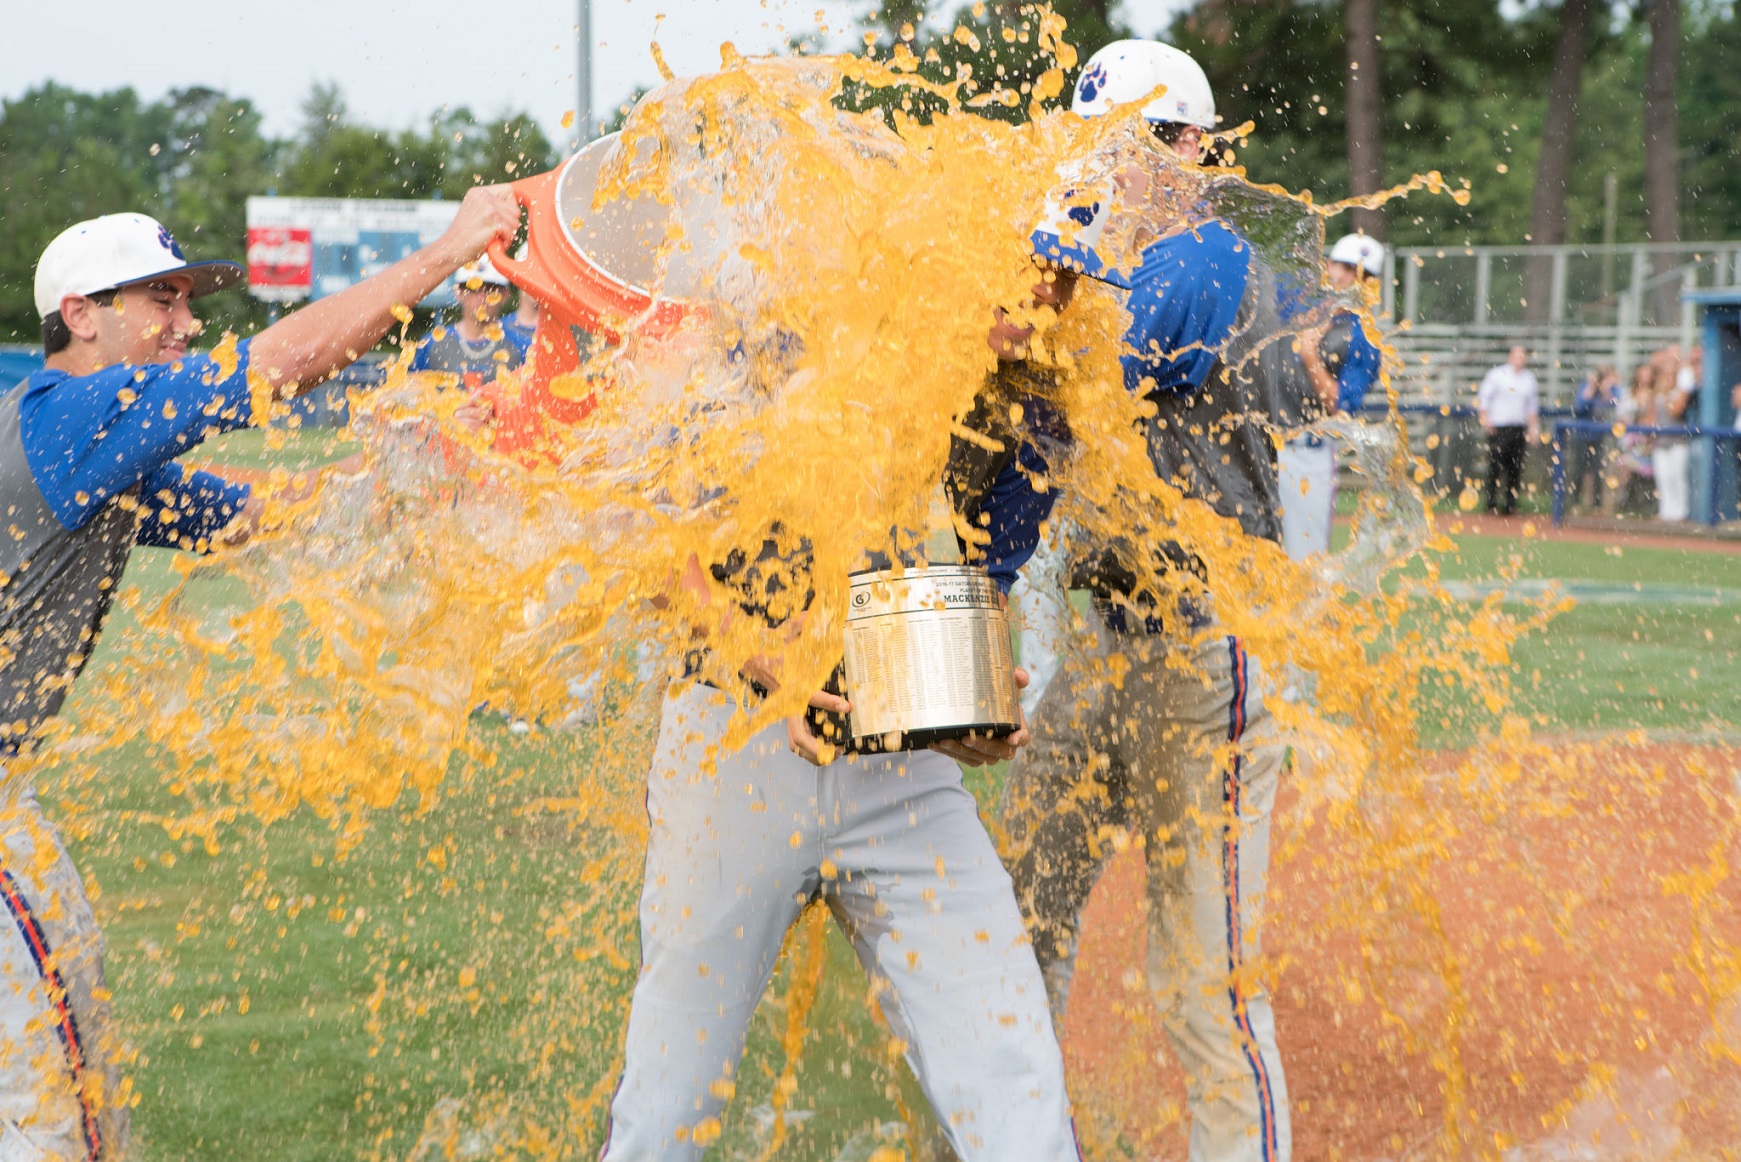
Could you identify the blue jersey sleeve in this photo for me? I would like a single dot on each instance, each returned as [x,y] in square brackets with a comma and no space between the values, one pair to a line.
[1359,371]
[1295,297]
[420,353]
[1014,509]
[519,339]
[89,438]
[186,508]
[1184,300]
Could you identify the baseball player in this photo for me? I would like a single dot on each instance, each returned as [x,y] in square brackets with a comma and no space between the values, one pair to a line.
[893,843]
[478,346]
[1179,748]
[1342,366]
[88,450]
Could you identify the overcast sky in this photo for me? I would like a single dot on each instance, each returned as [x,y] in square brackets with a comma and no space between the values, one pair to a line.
[398,60]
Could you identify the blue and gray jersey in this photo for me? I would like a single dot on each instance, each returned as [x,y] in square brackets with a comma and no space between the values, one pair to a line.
[87,471]
[991,483]
[1207,345]
[475,363]
[1352,358]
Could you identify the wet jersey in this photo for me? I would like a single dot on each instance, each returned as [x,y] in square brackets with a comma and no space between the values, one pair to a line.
[1208,346]
[1351,355]
[87,471]
[474,363]
[997,483]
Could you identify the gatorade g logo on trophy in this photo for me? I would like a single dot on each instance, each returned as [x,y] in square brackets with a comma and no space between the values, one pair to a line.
[1089,86]
[167,240]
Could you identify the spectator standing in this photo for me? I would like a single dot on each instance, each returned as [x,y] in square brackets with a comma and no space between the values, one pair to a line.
[1734,424]
[1509,402]
[1677,388]
[1597,401]
[1632,460]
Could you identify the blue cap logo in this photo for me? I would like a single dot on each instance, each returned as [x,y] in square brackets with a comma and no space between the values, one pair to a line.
[167,240]
[1084,215]
[1093,80]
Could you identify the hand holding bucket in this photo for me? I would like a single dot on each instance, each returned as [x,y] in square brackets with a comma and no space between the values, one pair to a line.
[588,267]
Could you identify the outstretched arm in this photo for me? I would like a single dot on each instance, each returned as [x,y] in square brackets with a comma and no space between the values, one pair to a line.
[310,345]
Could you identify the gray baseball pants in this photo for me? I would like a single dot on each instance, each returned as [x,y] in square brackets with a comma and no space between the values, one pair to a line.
[60,1083]
[895,846]
[1181,755]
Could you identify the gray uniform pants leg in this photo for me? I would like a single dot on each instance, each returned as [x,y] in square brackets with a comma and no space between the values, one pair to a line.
[1183,751]
[895,846]
[60,1084]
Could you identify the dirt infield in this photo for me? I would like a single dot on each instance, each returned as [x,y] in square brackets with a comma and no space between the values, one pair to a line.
[1594,1002]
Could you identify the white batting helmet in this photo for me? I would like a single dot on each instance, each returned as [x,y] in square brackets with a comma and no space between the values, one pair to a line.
[1129,70]
[1360,252]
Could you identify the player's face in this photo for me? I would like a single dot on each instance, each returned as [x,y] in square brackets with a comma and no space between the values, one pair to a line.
[1009,337]
[483,305]
[1185,140]
[1189,146]
[1342,275]
[1055,290]
[147,323]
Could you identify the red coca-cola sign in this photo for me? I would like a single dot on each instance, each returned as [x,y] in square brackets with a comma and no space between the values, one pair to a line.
[280,262]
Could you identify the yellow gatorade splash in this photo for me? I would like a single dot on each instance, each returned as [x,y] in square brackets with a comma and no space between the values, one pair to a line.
[844,267]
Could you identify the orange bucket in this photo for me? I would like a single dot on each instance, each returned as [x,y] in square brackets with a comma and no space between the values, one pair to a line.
[587,268]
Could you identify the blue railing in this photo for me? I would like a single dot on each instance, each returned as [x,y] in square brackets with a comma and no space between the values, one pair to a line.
[1455,411]
[1715,467]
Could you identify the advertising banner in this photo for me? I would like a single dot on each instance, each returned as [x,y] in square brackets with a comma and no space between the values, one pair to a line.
[280,263]
[309,248]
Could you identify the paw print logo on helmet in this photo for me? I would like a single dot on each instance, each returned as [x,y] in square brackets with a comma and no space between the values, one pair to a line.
[1093,80]
[168,242]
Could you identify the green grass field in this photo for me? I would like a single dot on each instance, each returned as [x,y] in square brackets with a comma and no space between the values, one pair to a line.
[289,1004]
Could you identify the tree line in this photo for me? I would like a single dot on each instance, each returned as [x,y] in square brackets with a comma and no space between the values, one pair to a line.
[1535,102]
[1557,112]
[194,157]
[1572,119]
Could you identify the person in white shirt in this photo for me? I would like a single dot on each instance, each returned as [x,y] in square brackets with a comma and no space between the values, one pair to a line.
[1672,455]
[1510,406]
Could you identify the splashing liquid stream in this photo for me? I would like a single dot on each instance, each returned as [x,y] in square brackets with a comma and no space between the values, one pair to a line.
[850,264]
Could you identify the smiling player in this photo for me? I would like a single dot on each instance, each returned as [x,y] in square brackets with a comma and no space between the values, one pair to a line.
[88,450]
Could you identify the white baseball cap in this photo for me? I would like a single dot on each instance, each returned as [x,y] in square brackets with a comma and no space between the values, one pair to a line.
[118,250]
[1072,225]
[483,270]
[1361,251]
